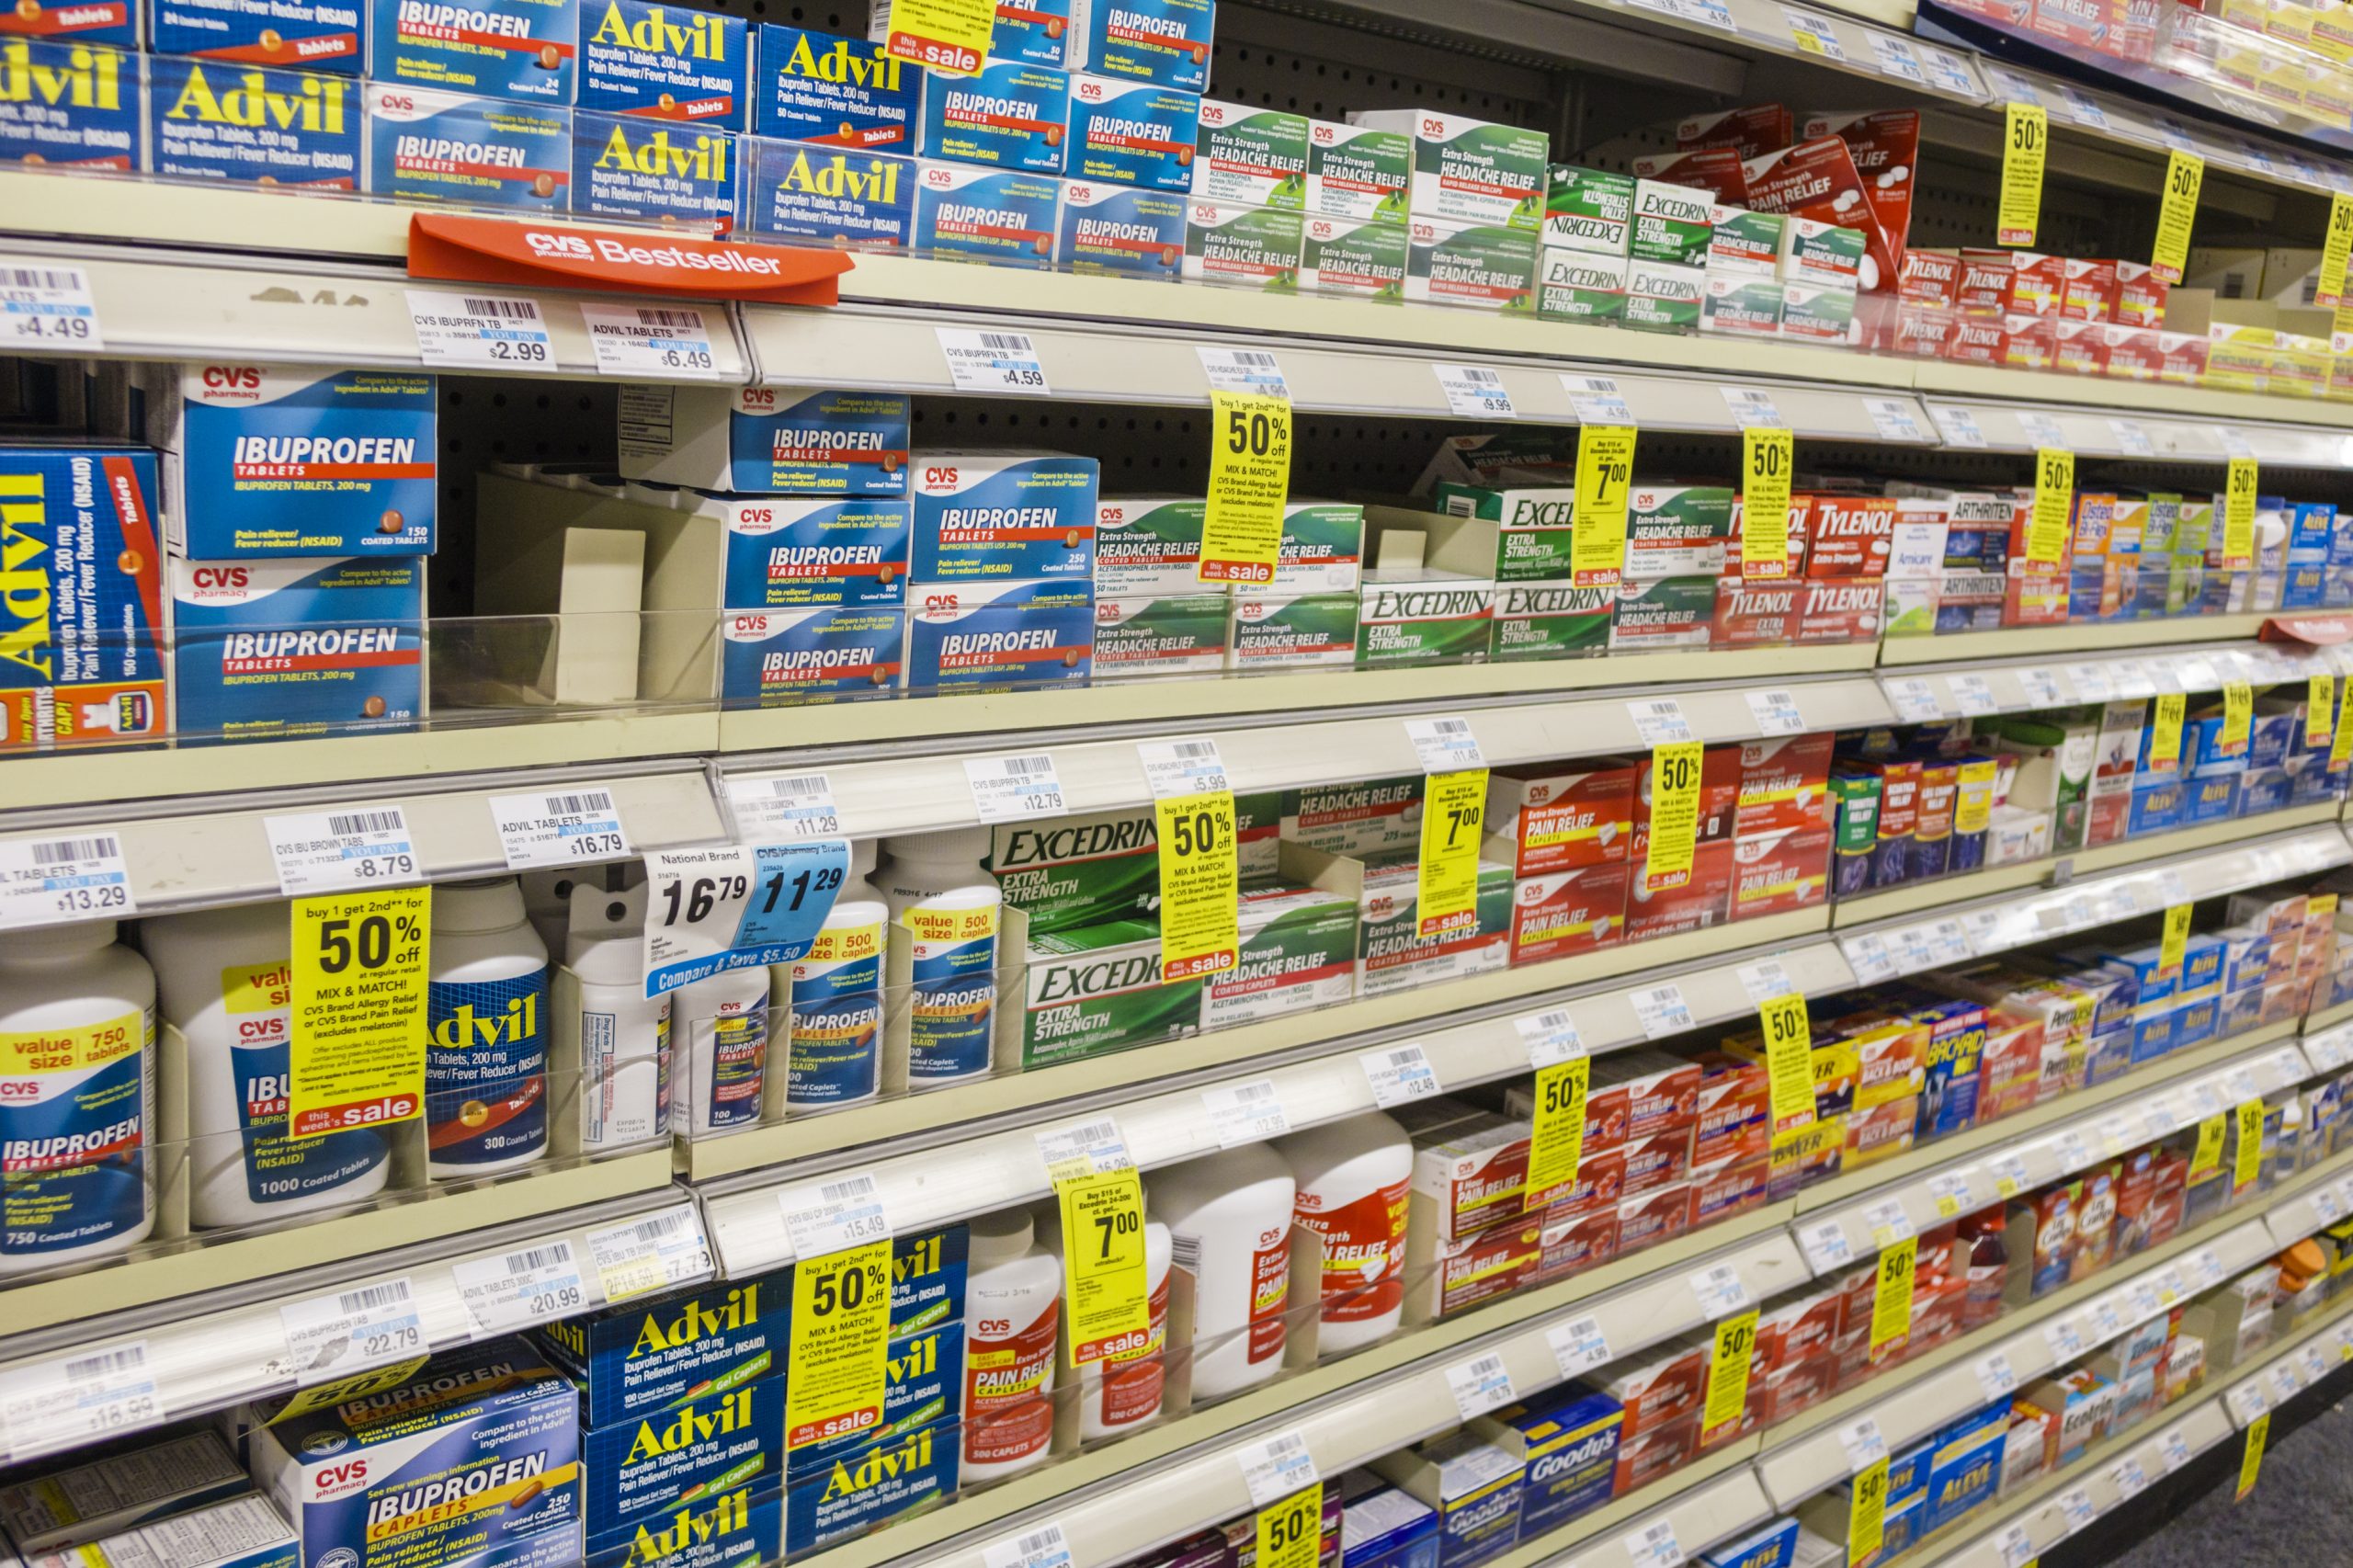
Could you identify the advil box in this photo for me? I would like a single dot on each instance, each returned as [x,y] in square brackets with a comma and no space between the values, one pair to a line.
[525,50]
[737,1529]
[1005,515]
[1118,230]
[779,658]
[639,1357]
[664,62]
[627,167]
[994,634]
[230,122]
[817,88]
[280,461]
[644,1468]
[318,35]
[862,1491]
[799,191]
[112,22]
[791,552]
[81,611]
[277,650]
[71,105]
[432,146]
[1009,116]
[765,440]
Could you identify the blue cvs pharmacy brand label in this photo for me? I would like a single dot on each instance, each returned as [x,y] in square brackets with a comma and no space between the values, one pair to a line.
[73,1133]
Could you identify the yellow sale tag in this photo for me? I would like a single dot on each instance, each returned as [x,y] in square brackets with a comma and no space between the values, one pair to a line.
[2321,905]
[2246,1162]
[1604,476]
[2164,730]
[360,1385]
[2340,745]
[1972,807]
[1242,534]
[1891,1295]
[2185,172]
[2175,942]
[2211,1135]
[1109,1287]
[1675,814]
[2238,716]
[1767,461]
[356,1001]
[2320,711]
[1728,1371]
[2026,140]
[2334,252]
[841,1332]
[1291,1533]
[2258,1431]
[2240,485]
[1199,884]
[1789,1058]
[1446,888]
[1557,1142]
[2054,506]
[951,37]
[1867,1507]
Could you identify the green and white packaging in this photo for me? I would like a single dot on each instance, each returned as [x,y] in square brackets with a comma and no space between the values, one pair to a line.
[1822,253]
[1275,632]
[1741,305]
[1358,259]
[1066,873]
[1549,620]
[1482,267]
[1297,954]
[1812,312]
[1532,526]
[1574,285]
[1671,223]
[1390,957]
[1664,298]
[1589,210]
[1241,247]
[1487,459]
[1099,989]
[1674,612]
[1370,816]
[1743,244]
[1141,635]
[1676,531]
[1323,548]
[1471,171]
[1254,156]
[1148,545]
[1422,617]
[1357,174]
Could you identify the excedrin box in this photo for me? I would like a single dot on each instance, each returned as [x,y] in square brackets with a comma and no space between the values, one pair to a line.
[799,552]
[1482,267]
[1422,618]
[75,106]
[1587,211]
[1663,297]
[765,440]
[1254,156]
[1468,171]
[1549,620]
[1165,42]
[1003,514]
[81,610]
[1359,260]
[430,146]
[782,658]
[843,92]
[1118,231]
[244,123]
[1011,115]
[657,59]
[524,50]
[1243,247]
[112,22]
[1179,634]
[1133,134]
[1292,631]
[1100,988]
[802,191]
[1574,285]
[1091,871]
[275,650]
[997,634]
[966,213]
[625,166]
[1358,173]
[316,35]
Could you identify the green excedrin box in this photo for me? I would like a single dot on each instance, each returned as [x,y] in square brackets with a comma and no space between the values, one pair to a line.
[1660,298]
[1067,873]
[1532,526]
[1098,988]
[1588,209]
[1574,285]
[1356,258]
[1422,619]
[1672,224]
[1470,171]
[1357,174]
[1673,612]
[1323,548]
[1273,631]
[1255,156]
[1551,621]
[1481,266]
[1298,952]
[1241,247]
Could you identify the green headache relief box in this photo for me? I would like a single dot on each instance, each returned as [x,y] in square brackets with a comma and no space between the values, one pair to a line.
[1299,949]
[1357,174]
[1241,247]
[1292,630]
[1255,156]
[1357,258]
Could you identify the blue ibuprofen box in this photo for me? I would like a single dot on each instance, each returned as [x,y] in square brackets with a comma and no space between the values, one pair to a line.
[1034,31]
[278,650]
[1118,231]
[994,635]
[627,167]
[245,124]
[314,35]
[1133,132]
[871,1486]
[1009,116]
[800,552]
[1569,1446]
[785,658]
[1165,42]
[739,1528]
[765,440]
[665,61]
[75,106]
[964,213]
[524,50]
[435,147]
[841,92]
[1012,514]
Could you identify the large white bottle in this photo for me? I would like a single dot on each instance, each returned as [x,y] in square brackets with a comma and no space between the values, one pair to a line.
[1229,1225]
[936,888]
[1119,1396]
[487,1040]
[719,1044]
[78,1072]
[1353,1178]
[624,1036]
[226,980]
[1013,1297]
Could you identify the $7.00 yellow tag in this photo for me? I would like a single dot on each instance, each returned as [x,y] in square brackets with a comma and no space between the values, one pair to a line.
[1767,461]
[1605,475]
[1107,1284]
[1446,890]
[1291,1533]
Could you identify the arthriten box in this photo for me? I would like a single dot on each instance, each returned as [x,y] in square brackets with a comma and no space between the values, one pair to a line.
[81,614]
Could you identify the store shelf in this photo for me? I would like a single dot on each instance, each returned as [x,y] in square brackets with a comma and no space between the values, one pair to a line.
[2327,1024]
[211,1351]
[2006,426]
[1712,1499]
[1964,690]
[2026,641]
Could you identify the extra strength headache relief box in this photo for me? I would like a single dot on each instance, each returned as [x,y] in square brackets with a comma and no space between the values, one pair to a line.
[765,440]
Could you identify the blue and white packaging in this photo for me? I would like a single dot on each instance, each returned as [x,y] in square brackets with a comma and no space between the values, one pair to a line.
[1474,1485]
[278,650]
[2264,790]
[523,50]
[992,635]
[879,1482]
[1165,42]
[309,35]
[657,61]
[1010,115]
[2212,799]
[739,1528]
[78,1504]
[1383,1526]
[966,213]
[800,552]
[2197,1022]
[626,167]
[486,1069]
[1133,134]
[1569,1443]
[114,23]
[642,1468]
[244,1532]
[75,106]
[1118,231]
[278,461]
[2154,810]
[647,1356]
[797,190]
[786,658]
[1770,1545]
[1034,31]
[742,931]
[1965,1464]
[2311,527]
[765,440]
[834,91]
[426,146]
[1003,516]
[244,123]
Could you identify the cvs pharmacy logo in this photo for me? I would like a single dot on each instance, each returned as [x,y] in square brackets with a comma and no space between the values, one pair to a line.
[232,377]
[221,576]
[557,247]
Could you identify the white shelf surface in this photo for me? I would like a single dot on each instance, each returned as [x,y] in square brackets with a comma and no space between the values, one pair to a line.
[2135,434]
[1966,689]
[2029,642]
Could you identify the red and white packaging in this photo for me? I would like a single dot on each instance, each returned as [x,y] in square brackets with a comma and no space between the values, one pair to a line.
[1803,1324]
[2087,289]
[1879,1132]
[1703,900]
[1363,1235]
[1816,179]
[1747,131]
[1977,338]
[1840,610]
[1572,1246]
[1884,145]
[2010,1069]
[2086,24]
[2140,296]
[1548,819]
[1657,1452]
[2079,347]
[1848,535]
[1648,1219]
[2132,353]
[1470,1168]
[1009,1409]
[1658,1386]
[1468,1270]
[2028,343]
[1932,278]
[1800,511]
[2181,357]
[1925,330]
[1568,913]
[1784,782]
[1778,871]
[1656,1159]
[1716,170]
[1755,615]
[2014,283]
[1791,1389]
[1735,1097]
[1599,1185]
[1662,1091]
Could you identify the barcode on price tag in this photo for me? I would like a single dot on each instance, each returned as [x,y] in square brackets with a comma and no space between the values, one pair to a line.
[771,807]
[2075,1504]
[562,827]
[1010,788]
[1995,1376]
[1959,426]
[1655,1546]
[834,1216]
[2009,1173]
[1177,768]
[1867,956]
[1753,407]
[1765,980]
[1659,720]
[2175,1445]
[2133,437]
[1915,699]
[1445,746]
[1550,1036]
[1949,1190]
[48,307]
[1245,1113]
[1475,392]
[992,362]
[496,332]
[2017,1546]
[1041,1548]
[356,846]
[653,1254]
[1578,1347]
[660,342]
[1276,1467]
[2065,1343]
[94,1393]
[1825,1246]
[1399,1076]
[1893,418]
[1480,1385]
[1597,400]
[45,882]
[1888,1222]
[1864,1444]
[1971,694]
[1242,369]
[1776,712]
[1087,1148]
[2040,685]
[2091,682]
[1719,1290]
[349,1331]
[1662,1011]
[515,1290]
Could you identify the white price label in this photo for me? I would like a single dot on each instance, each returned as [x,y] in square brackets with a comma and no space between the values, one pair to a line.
[2078,107]
[1949,940]
[2040,429]
[1995,1376]
[1888,1222]
[1825,1246]
[834,1216]
[1765,980]
[1275,1468]
[1893,418]
[1479,1385]
[1578,1347]
[1012,788]
[1949,1191]
[660,343]
[494,332]
[1662,1011]
[1597,400]
[2175,1445]
[1244,371]
[1399,1076]
[2133,679]
[1911,950]
[350,1331]
[2211,1270]
[1753,407]
[77,1398]
[2242,1084]
[2324,1204]
[2009,1173]
[1091,1147]
[2073,1152]
[1813,34]
[46,881]
[1986,930]
[2171,1287]
[2330,1049]
[1971,694]
[2016,1546]
[1867,956]
[2233,441]
[1957,425]
[1894,58]
[1550,1036]
[2158,1120]
[355,846]
[992,362]
[515,1290]
[1245,1113]
[1776,712]
[2115,1134]
[43,306]
[1177,768]
[1045,1547]
[1445,746]
[781,806]
[2065,1343]
[1654,1546]
[2040,685]
[2075,1505]
[1659,720]
[2091,682]
[1915,699]
[1864,1444]
[1720,1291]
[2133,437]
[1475,392]
[653,1254]
[2314,1364]
[560,827]
[2286,1382]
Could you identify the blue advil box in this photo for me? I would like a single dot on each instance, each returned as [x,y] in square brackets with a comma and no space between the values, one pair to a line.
[880,1481]
[797,190]
[739,1528]
[82,618]
[834,91]
[625,166]
[664,62]
[244,123]
[314,35]
[73,106]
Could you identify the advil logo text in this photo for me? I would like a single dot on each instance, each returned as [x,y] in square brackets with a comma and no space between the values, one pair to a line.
[316,108]
[881,1465]
[841,63]
[464,1026]
[25,598]
[853,179]
[692,1425]
[701,39]
[90,78]
[705,160]
[730,1515]
[741,1309]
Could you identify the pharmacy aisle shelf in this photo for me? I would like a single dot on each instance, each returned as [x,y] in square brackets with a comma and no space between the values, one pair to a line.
[2049,641]
[1923,694]
[319,1325]
[1712,1499]
[2325,1021]
[1953,382]
[1353,1410]
[209,859]
[912,790]
[2005,425]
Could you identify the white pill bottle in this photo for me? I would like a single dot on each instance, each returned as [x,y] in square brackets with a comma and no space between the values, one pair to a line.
[937,889]
[624,1035]
[1121,1395]
[485,1033]
[720,1052]
[834,1057]
[1229,1224]
[1012,1299]
[1353,1177]
[226,980]
[77,1090]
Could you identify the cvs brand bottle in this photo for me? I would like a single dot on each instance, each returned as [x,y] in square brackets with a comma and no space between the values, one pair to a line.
[1012,1299]
[937,889]
[485,1022]
[835,1056]
[226,977]
[722,1053]
[77,1087]
[1228,1227]
[624,1037]
[1116,1396]
[1353,1178]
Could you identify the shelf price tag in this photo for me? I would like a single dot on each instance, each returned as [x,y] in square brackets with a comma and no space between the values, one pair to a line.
[2164,731]
[1250,446]
[2335,250]
[1661,1010]
[1892,419]
[1106,1288]
[783,806]
[1867,1515]
[651,342]
[356,846]
[2175,941]
[1767,461]
[2258,1431]
[347,1330]
[1727,1394]
[1193,808]
[1444,745]
[838,1356]
[2240,484]
[2016,1546]
[1290,1532]
[1014,788]
[1399,1076]
[1045,1547]
[2320,711]
[45,882]
[731,906]
[2025,141]
[1578,1347]
[1654,1546]
[89,1395]
[1276,1467]
[1556,1144]
[496,332]
[1605,471]
[652,1254]
[2238,715]
[993,361]
[1675,814]
[1891,1294]
[2246,1162]
[355,1001]
[562,827]
[1776,712]
[1475,392]
[1447,883]
[2054,500]
[1995,1376]
[1245,1113]
[1789,1060]
[834,1216]
[517,1289]
[1813,34]
[2185,172]
[43,306]
[1480,1385]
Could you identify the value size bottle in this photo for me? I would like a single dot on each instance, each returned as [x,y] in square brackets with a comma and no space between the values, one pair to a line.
[936,887]
[624,1035]
[1353,1177]
[487,1044]
[1013,1300]
[1229,1224]
[836,998]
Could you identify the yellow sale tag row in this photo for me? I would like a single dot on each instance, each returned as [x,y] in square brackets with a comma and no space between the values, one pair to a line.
[2238,716]
[1891,1295]
[1605,475]
[2164,730]
[2212,1133]
[2240,484]
[1242,533]
[2054,506]
[2185,172]
[1728,1371]
[2340,745]
[1557,1142]
[2320,711]
[1201,930]
[2025,141]
[1675,814]
[841,1332]
[1866,1511]
[1108,1283]
[1789,1058]
[2175,944]
[2246,1163]
[2258,1433]
[1769,458]
[360,1385]
[1446,888]
[2336,251]
[1290,1532]
[356,1001]
[951,37]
